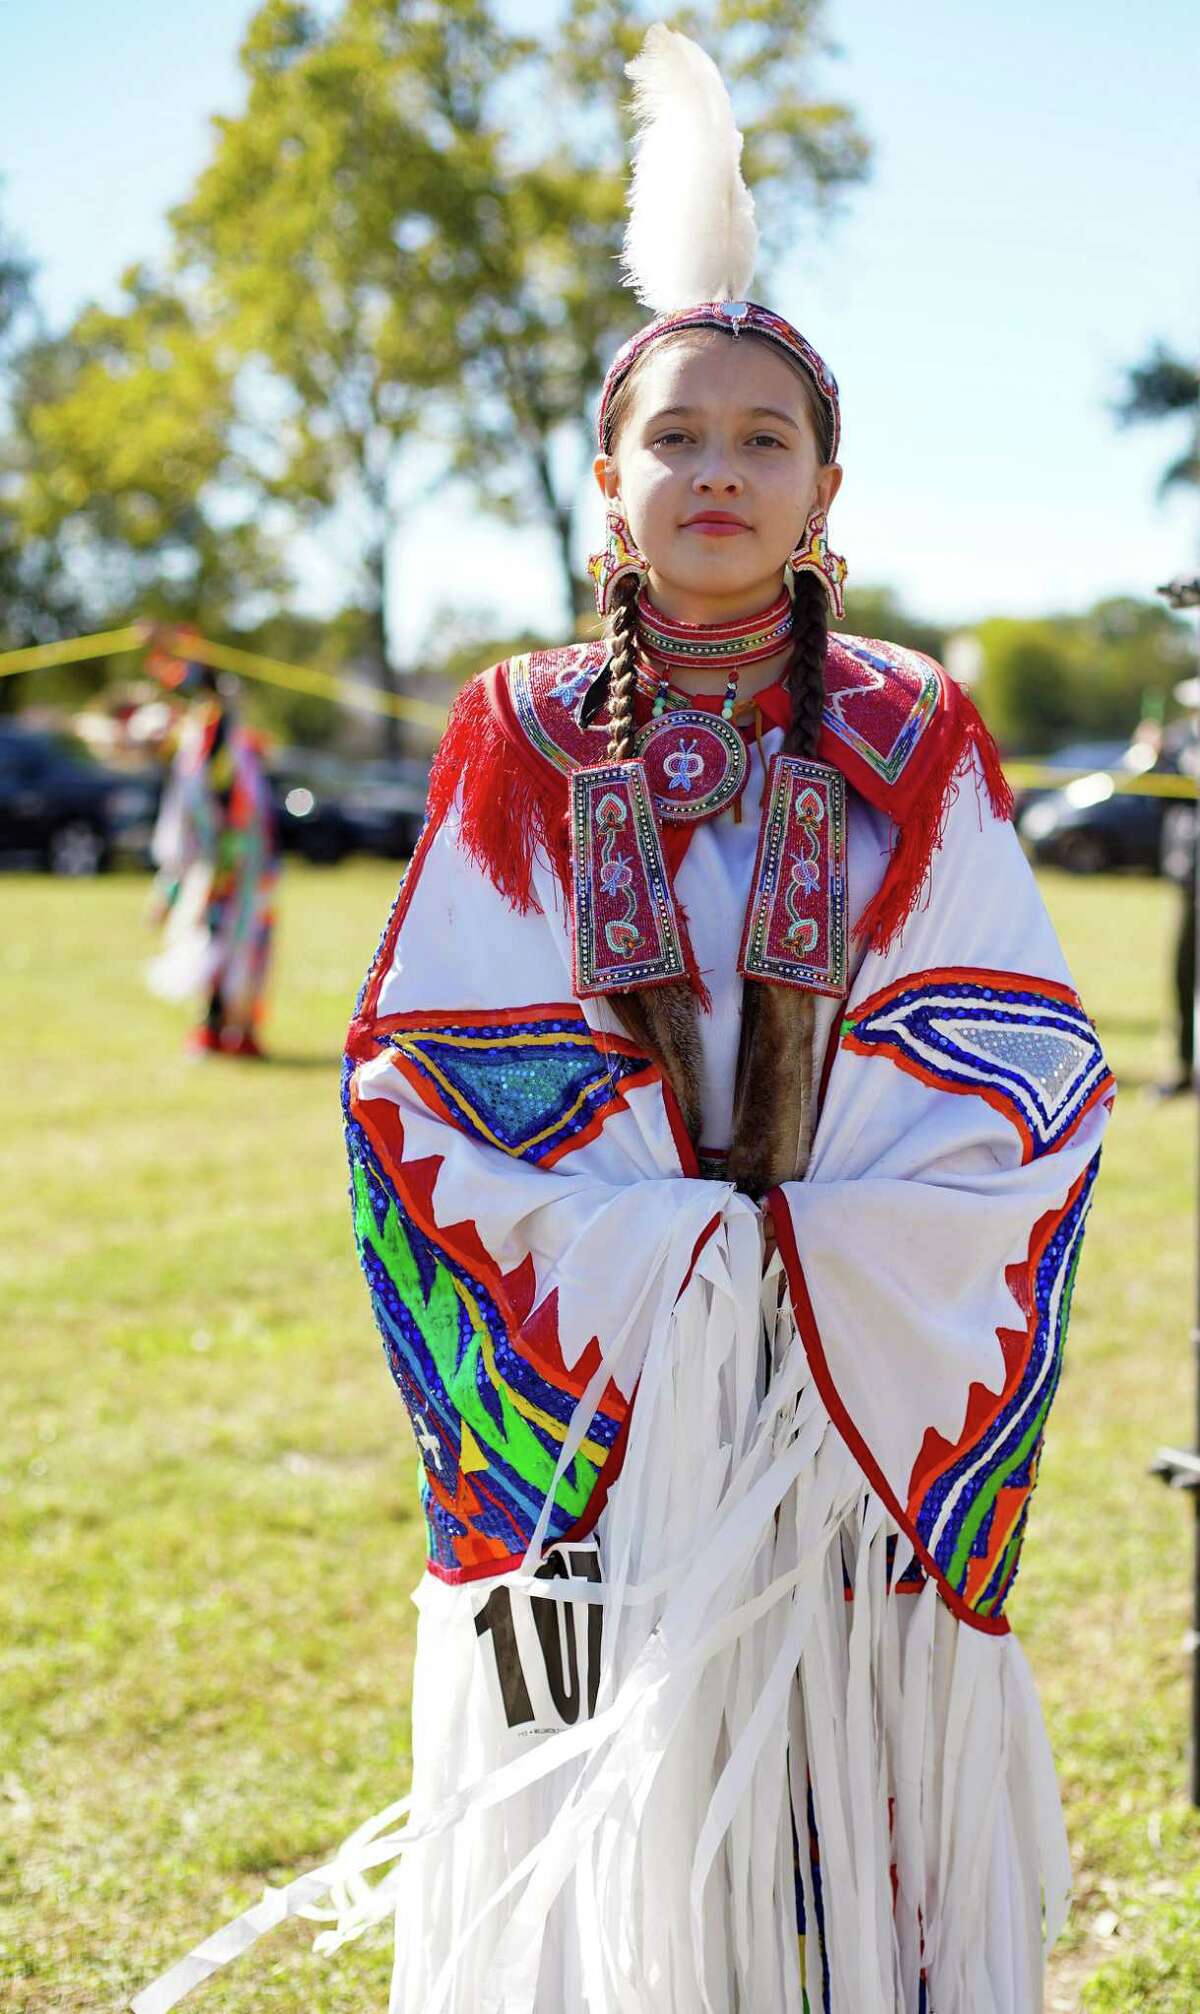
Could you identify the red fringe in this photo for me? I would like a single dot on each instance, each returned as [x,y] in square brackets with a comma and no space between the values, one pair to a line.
[507,813]
[924,827]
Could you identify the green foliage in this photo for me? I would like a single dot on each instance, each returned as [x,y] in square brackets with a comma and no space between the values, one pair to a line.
[1059,678]
[879,612]
[383,245]
[119,439]
[1166,387]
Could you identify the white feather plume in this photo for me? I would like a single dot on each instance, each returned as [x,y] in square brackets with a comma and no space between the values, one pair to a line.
[691,234]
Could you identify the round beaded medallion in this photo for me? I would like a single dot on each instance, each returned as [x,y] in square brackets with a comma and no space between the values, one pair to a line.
[696,764]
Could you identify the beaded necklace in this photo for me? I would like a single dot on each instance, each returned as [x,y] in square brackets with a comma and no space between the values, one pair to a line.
[695,760]
[668,645]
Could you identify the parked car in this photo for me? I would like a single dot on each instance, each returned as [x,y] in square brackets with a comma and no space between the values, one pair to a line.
[1090,827]
[385,805]
[308,789]
[63,810]
[1076,758]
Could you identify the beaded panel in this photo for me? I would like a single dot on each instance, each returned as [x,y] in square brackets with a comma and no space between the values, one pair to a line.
[489,1402]
[546,687]
[625,932]
[534,1083]
[969,1500]
[879,700]
[1025,1045]
[795,929]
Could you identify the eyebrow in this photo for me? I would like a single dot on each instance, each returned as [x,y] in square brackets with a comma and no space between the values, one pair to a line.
[754,413]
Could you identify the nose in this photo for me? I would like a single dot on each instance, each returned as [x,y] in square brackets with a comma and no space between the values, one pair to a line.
[716,475]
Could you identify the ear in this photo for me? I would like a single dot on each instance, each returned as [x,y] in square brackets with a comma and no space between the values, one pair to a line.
[829,482]
[604,468]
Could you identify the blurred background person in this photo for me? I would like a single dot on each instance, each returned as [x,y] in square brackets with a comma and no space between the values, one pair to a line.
[215,848]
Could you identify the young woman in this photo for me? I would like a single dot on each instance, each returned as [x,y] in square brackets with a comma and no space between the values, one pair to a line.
[722,1124]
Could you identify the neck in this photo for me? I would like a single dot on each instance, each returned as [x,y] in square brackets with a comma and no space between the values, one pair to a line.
[692,605]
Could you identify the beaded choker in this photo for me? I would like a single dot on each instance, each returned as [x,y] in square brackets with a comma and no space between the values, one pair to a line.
[719,646]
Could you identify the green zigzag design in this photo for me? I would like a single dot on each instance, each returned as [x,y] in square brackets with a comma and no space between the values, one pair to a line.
[437,1317]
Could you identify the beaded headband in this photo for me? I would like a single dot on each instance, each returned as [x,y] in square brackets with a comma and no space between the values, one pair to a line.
[734,317]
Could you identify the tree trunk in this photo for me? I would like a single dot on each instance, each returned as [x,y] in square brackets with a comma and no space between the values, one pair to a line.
[375,567]
[575,591]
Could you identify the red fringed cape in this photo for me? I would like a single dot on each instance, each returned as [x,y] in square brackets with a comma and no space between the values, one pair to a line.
[899,728]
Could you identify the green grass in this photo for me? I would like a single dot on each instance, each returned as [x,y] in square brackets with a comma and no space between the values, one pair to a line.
[208,1523]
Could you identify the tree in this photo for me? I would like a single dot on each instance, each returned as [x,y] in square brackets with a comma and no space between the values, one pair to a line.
[120,458]
[1165,387]
[37,604]
[1072,677]
[877,611]
[332,241]
[407,235]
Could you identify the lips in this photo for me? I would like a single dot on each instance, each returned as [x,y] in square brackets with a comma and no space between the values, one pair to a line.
[718,523]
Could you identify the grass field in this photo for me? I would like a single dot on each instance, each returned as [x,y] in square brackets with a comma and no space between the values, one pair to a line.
[208,1525]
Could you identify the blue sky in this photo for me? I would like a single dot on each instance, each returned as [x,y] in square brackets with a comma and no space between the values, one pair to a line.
[1030,226]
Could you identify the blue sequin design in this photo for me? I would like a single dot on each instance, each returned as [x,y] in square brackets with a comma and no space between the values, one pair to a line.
[530,1088]
[489,1424]
[1038,1055]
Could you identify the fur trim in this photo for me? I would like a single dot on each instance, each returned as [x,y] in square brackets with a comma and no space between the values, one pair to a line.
[662,1020]
[774,1088]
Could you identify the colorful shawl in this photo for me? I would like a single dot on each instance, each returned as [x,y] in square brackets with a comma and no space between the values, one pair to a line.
[716,1702]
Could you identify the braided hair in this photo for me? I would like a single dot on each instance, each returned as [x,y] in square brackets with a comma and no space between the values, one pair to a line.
[806,671]
[622,668]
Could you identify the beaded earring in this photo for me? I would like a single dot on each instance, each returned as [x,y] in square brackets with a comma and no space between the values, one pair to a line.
[619,557]
[814,556]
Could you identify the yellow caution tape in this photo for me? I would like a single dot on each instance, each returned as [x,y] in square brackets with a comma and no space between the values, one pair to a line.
[352,692]
[303,678]
[1125,783]
[74,649]
[225,657]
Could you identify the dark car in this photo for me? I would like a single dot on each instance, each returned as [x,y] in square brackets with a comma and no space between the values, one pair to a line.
[1089,826]
[308,789]
[61,809]
[385,805]
[1078,757]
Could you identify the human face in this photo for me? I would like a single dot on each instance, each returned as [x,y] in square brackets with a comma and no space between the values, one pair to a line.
[717,426]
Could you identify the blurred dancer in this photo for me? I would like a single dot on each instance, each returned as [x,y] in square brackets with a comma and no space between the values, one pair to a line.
[215,849]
